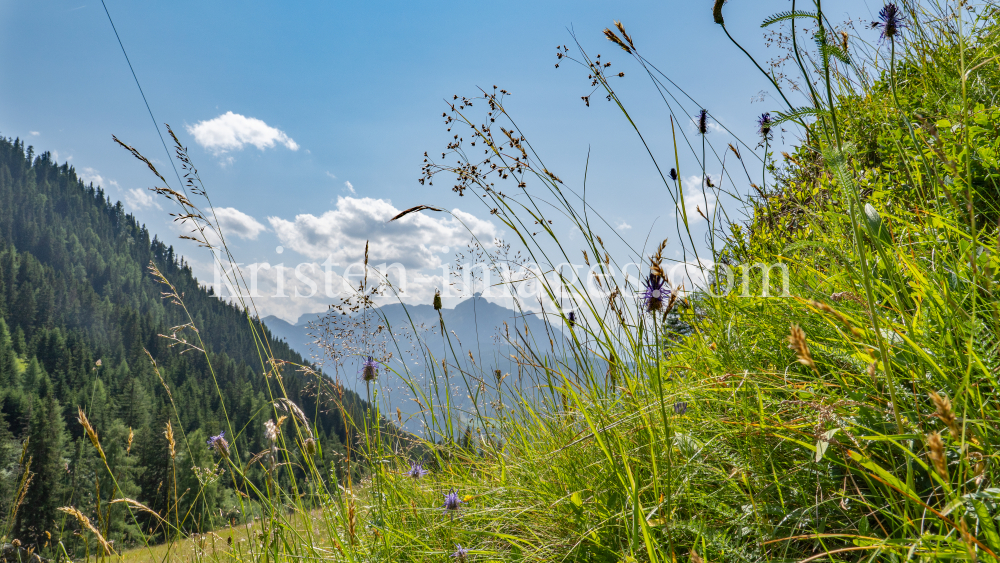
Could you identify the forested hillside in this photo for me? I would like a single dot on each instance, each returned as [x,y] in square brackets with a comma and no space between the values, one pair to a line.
[79,310]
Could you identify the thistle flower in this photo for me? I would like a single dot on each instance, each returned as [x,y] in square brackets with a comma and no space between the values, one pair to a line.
[571,319]
[416,470]
[680,408]
[460,552]
[890,19]
[369,369]
[220,444]
[764,125]
[653,293]
[702,118]
[451,503]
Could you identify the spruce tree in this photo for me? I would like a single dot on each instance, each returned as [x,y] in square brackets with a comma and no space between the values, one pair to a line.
[46,441]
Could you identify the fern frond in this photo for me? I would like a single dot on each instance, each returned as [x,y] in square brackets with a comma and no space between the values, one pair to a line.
[787,15]
[833,51]
[795,115]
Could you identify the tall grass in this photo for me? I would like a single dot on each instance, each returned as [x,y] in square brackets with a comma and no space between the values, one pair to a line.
[853,420]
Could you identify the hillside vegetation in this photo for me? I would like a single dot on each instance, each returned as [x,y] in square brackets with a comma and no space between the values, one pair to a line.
[853,419]
[83,317]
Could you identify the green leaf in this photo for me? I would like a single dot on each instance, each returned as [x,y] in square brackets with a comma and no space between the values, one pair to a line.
[576,499]
[794,115]
[787,15]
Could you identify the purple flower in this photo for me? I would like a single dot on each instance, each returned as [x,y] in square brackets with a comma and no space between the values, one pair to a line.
[451,503]
[571,319]
[702,118]
[460,552]
[416,470]
[764,125]
[890,19]
[220,444]
[680,408]
[653,293]
[673,174]
[369,369]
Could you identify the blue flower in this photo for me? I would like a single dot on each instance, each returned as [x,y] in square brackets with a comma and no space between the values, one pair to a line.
[220,444]
[654,292]
[451,503]
[369,369]
[680,408]
[416,470]
[890,19]
[764,125]
[460,552]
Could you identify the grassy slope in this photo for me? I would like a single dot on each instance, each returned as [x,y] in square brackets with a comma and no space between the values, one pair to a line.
[834,448]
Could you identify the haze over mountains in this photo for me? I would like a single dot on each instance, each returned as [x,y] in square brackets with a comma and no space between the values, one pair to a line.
[475,326]
[480,326]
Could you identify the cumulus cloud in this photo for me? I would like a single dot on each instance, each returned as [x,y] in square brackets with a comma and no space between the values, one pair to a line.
[232,131]
[695,200]
[141,199]
[331,175]
[349,187]
[34,133]
[623,226]
[234,222]
[92,176]
[288,290]
[413,241]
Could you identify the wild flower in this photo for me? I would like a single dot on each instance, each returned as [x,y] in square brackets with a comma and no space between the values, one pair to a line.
[890,20]
[220,444]
[451,503]
[673,174]
[702,121]
[460,552]
[437,300]
[369,369]
[764,125]
[416,470]
[680,408]
[654,292]
[571,319]
[270,431]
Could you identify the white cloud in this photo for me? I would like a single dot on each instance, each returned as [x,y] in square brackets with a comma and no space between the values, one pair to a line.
[141,199]
[92,176]
[232,131]
[413,241]
[623,226]
[34,133]
[350,187]
[234,222]
[331,175]
[694,199]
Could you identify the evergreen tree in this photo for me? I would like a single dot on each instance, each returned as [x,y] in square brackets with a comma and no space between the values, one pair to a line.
[46,440]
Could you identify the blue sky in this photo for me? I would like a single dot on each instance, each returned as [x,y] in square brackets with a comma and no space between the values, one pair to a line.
[326,93]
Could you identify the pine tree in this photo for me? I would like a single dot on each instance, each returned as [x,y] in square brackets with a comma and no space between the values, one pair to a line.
[46,441]
[8,363]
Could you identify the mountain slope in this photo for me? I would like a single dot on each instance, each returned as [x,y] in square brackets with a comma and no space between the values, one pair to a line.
[81,318]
